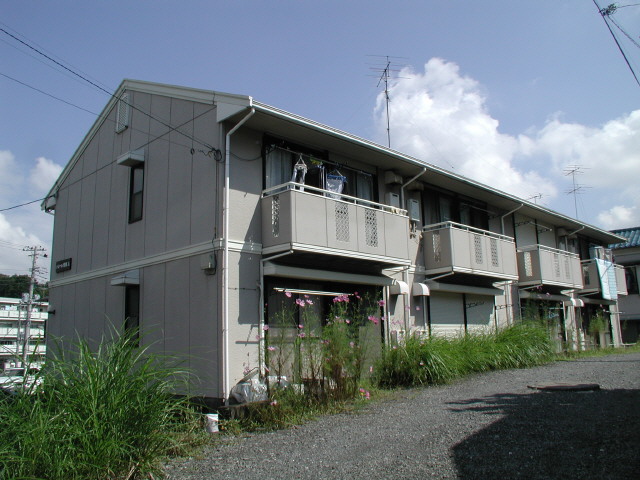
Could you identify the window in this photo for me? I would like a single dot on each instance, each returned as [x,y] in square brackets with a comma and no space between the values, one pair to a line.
[632,279]
[132,311]
[136,189]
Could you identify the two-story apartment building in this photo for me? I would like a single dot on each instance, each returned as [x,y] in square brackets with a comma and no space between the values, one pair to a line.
[627,254]
[13,328]
[193,214]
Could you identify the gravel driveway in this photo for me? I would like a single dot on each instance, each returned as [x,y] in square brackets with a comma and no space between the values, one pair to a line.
[486,426]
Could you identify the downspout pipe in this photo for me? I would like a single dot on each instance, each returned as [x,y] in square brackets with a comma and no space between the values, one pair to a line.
[424,169]
[225,259]
[405,272]
[506,215]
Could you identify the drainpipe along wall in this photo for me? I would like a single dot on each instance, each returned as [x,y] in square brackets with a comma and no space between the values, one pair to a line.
[225,260]
[405,272]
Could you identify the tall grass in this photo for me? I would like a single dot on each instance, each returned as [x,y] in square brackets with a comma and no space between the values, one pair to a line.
[438,360]
[97,415]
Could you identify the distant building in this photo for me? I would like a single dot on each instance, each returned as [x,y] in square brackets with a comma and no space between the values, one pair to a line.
[13,316]
[627,254]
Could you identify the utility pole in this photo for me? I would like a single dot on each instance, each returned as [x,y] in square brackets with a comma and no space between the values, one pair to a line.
[29,302]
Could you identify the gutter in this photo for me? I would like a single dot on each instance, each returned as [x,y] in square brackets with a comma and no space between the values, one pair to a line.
[225,260]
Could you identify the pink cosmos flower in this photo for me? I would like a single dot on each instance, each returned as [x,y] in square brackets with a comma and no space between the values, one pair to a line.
[265,327]
[310,302]
[288,294]
[306,296]
[381,303]
[418,308]
[300,326]
[271,349]
[300,302]
[373,319]
[302,335]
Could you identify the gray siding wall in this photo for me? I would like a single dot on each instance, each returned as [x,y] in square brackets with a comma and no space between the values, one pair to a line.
[179,303]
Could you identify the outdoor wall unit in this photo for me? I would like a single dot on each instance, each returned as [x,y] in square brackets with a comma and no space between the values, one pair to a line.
[392,199]
[392,178]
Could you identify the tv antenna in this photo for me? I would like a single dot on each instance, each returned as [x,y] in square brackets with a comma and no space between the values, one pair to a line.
[535,198]
[385,72]
[574,170]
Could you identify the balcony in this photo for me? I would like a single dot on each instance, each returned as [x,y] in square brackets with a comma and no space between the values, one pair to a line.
[307,219]
[476,256]
[550,267]
[603,279]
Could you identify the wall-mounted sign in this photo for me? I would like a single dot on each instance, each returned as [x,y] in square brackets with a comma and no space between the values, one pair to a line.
[63,265]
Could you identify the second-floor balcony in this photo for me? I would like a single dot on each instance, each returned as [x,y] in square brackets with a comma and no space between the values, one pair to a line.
[549,267]
[603,279]
[473,254]
[307,219]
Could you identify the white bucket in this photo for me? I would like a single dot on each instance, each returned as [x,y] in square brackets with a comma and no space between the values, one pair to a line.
[211,422]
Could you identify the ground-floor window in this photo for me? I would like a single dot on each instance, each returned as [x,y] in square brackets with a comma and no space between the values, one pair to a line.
[321,334]
[132,311]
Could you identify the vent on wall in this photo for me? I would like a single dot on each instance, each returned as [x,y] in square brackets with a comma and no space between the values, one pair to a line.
[122,113]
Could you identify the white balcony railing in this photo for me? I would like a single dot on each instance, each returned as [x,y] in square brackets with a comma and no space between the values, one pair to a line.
[621,280]
[610,273]
[296,216]
[452,247]
[542,265]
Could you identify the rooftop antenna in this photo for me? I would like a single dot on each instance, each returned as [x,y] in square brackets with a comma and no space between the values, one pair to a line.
[385,74]
[535,197]
[574,170]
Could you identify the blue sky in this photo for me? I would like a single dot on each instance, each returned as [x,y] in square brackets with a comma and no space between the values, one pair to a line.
[508,92]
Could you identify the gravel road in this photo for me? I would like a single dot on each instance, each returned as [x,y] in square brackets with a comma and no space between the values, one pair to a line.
[486,426]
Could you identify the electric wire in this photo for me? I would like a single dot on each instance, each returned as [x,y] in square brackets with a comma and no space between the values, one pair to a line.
[605,13]
[21,205]
[102,89]
[49,94]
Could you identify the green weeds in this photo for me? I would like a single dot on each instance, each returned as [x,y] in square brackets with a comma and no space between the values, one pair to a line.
[439,360]
[103,415]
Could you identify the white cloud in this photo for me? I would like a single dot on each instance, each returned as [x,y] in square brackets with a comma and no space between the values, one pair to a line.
[13,239]
[44,174]
[620,216]
[441,116]
[26,225]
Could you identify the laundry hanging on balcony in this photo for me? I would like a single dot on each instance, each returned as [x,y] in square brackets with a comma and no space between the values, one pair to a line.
[299,172]
[335,183]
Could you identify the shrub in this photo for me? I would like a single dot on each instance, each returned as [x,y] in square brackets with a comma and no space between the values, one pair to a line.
[108,414]
[438,360]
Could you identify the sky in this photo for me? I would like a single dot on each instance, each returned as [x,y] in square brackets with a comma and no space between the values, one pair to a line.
[513,94]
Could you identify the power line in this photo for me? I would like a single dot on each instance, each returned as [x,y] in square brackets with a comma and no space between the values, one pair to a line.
[21,205]
[102,89]
[48,94]
[606,14]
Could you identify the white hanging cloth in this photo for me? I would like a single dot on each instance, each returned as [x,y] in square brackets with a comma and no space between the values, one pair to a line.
[299,171]
[335,183]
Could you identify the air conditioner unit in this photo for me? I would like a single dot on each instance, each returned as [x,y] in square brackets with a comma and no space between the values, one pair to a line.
[391,177]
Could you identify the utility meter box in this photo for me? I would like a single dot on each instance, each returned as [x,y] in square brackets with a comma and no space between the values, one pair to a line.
[393,199]
[413,207]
